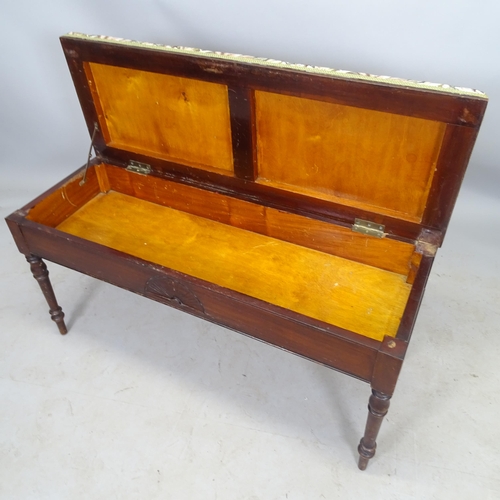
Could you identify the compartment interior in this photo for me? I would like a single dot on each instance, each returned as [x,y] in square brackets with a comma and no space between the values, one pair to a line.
[314,268]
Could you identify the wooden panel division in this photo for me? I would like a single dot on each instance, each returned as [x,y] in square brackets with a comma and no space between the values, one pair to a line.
[347,294]
[369,159]
[167,117]
[242,128]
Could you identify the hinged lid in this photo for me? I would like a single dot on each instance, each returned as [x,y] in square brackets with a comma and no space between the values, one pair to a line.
[329,144]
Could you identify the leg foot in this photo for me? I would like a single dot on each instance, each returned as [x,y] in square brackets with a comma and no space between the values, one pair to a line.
[377,409]
[40,273]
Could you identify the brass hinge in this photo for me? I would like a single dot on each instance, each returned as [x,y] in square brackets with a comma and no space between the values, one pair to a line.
[138,167]
[369,228]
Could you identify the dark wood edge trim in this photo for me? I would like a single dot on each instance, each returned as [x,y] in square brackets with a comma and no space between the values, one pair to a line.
[241,107]
[85,95]
[14,222]
[388,365]
[450,170]
[276,310]
[421,103]
[414,300]
[352,373]
[428,242]
[268,322]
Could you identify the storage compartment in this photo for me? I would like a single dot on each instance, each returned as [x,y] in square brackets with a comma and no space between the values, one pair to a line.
[280,258]
[298,205]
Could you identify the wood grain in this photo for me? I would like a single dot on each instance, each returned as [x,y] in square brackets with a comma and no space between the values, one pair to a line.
[339,349]
[462,111]
[61,203]
[452,163]
[164,116]
[102,178]
[386,253]
[369,159]
[391,255]
[347,294]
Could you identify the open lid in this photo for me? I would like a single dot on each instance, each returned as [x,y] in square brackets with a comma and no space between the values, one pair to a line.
[328,143]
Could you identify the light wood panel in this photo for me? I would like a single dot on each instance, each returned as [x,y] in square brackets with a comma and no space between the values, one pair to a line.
[384,253]
[377,161]
[167,117]
[350,295]
[102,177]
[60,204]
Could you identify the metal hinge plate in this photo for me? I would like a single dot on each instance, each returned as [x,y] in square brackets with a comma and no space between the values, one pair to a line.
[369,228]
[138,167]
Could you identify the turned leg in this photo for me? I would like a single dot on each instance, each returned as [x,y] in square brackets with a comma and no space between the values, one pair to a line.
[40,273]
[377,409]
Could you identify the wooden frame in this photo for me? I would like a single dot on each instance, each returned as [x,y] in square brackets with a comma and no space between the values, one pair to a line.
[236,200]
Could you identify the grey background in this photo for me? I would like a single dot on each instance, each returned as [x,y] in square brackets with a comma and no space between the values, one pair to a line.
[42,132]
